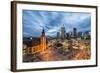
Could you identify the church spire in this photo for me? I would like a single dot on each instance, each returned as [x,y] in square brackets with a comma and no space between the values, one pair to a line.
[62,25]
[43,31]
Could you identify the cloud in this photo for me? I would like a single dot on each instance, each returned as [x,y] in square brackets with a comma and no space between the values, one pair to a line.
[35,21]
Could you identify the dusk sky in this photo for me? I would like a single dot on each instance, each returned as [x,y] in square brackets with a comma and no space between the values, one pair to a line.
[51,21]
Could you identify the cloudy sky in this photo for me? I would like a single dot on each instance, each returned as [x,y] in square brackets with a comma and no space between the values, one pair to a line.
[51,21]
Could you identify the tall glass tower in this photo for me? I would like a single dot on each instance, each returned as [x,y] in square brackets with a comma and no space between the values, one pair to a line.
[74,32]
[63,32]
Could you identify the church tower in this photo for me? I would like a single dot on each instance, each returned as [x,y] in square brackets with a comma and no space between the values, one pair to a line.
[43,41]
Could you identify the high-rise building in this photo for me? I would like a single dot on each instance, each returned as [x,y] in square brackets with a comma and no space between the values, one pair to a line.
[74,32]
[58,35]
[79,35]
[62,32]
[67,35]
[86,35]
[70,34]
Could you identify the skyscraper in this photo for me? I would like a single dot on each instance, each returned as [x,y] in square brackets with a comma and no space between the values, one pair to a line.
[67,35]
[63,32]
[58,35]
[86,35]
[79,34]
[74,32]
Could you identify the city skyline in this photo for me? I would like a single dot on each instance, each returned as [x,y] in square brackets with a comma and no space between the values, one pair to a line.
[35,21]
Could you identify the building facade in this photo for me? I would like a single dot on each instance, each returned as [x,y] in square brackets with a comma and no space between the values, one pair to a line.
[42,46]
[63,32]
[43,41]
